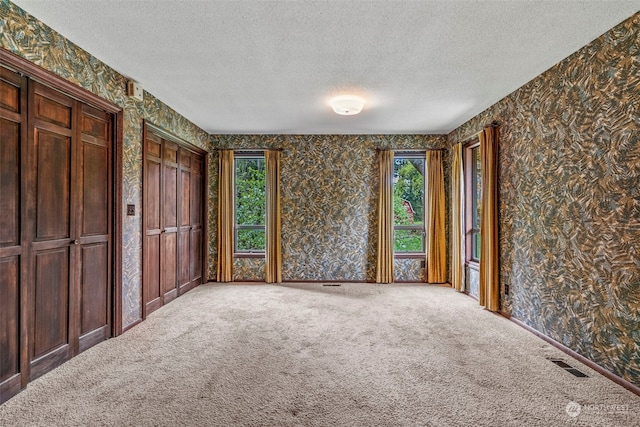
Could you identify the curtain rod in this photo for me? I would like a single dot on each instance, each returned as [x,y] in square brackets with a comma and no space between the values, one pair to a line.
[408,150]
[249,149]
[466,139]
[411,150]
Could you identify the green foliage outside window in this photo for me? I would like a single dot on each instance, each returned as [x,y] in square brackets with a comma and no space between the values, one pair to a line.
[250,184]
[408,204]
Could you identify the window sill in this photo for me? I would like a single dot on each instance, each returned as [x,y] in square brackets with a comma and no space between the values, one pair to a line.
[409,256]
[249,255]
[474,265]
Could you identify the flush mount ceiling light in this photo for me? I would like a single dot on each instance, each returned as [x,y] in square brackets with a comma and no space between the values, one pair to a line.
[347,105]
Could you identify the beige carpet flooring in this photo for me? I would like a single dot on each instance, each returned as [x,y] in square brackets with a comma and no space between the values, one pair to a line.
[310,355]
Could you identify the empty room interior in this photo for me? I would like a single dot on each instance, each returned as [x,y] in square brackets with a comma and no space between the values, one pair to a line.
[320,212]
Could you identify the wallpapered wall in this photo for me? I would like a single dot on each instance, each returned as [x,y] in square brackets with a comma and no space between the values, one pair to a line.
[329,186]
[569,193]
[26,36]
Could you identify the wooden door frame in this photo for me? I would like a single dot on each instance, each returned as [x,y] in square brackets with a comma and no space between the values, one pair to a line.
[150,127]
[37,73]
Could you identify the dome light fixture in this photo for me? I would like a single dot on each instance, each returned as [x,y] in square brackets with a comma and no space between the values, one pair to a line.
[347,105]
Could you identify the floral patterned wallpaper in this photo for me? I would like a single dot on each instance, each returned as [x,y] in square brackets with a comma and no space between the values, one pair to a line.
[24,35]
[569,189]
[329,202]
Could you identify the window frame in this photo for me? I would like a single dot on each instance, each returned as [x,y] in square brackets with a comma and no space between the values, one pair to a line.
[471,207]
[421,227]
[239,253]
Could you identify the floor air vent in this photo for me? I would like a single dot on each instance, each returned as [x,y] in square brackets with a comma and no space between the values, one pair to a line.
[331,284]
[569,368]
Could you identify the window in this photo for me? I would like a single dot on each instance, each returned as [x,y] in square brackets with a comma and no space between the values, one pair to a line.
[408,203]
[473,172]
[250,204]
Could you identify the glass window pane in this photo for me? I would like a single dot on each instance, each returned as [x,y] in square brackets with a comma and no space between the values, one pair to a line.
[408,241]
[477,187]
[408,202]
[408,190]
[476,246]
[250,182]
[250,203]
[250,240]
[475,166]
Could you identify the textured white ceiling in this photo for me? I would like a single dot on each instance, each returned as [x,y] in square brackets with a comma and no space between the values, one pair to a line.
[271,66]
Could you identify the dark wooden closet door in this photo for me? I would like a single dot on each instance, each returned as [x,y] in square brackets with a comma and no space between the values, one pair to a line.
[169,235]
[13,118]
[56,225]
[184,231]
[172,219]
[195,251]
[54,245]
[152,291]
[94,189]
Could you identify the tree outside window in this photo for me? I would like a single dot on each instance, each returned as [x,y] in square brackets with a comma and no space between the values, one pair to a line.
[408,203]
[250,204]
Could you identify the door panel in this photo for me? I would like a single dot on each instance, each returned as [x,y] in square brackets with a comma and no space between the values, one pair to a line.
[169,221]
[184,249]
[53,311]
[95,318]
[185,196]
[95,289]
[53,169]
[184,246]
[9,183]
[95,230]
[51,301]
[196,256]
[95,190]
[152,185]
[55,111]
[196,220]
[168,242]
[151,273]
[169,204]
[13,118]
[9,317]
[11,88]
[196,192]
[152,199]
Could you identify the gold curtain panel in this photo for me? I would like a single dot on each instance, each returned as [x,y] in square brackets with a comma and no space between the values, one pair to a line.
[225,217]
[436,249]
